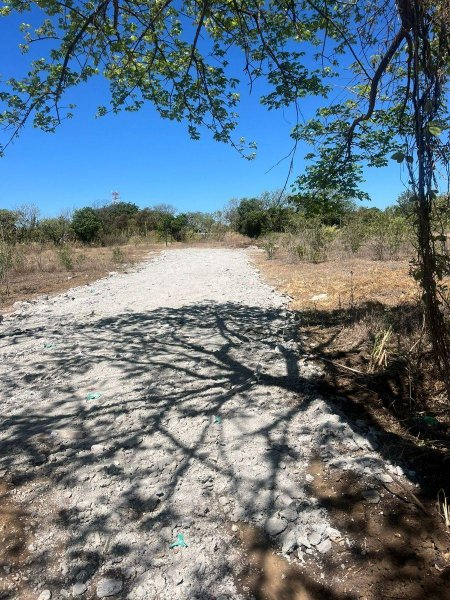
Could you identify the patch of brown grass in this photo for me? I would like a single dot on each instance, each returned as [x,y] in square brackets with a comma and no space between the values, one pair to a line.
[39,269]
[344,282]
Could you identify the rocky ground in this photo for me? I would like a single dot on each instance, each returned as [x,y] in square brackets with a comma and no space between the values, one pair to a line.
[150,418]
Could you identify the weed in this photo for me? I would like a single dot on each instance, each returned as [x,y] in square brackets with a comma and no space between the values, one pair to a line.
[444,508]
[270,248]
[6,263]
[118,257]
[65,257]
[380,352]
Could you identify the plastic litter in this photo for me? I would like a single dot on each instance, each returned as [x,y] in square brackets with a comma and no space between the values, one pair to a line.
[49,345]
[217,419]
[180,542]
[93,396]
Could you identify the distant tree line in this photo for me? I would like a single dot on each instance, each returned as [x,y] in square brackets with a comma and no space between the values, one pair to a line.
[256,217]
[111,224]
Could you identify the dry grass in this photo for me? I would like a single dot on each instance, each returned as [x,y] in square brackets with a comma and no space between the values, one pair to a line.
[40,269]
[340,283]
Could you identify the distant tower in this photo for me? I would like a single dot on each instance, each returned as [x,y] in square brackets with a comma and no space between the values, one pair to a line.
[115,197]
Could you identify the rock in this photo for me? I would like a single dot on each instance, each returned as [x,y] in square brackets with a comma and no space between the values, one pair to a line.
[289,541]
[70,434]
[78,589]
[275,526]
[371,496]
[314,538]
[333,534]
[302,540]
[289,513]
[45,595]
[324,546]
[309,478]
[129,572]
[98,448]
[108,587]
[385,478]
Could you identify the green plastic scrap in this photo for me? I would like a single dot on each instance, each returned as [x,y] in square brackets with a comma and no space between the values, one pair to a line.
[49,345]
[217,419]
[180,543]
[93,396]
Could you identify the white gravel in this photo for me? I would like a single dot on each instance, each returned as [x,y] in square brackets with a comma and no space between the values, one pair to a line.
[201,414]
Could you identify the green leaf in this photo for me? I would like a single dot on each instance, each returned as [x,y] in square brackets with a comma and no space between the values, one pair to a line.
[398,156]
[434,129]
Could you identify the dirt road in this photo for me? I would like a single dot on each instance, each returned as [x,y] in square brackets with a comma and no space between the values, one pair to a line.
[146,415]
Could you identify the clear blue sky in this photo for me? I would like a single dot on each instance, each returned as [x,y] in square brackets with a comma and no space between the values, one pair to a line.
[148,160]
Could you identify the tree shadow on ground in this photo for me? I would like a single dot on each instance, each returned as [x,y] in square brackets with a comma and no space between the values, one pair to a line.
[197,425]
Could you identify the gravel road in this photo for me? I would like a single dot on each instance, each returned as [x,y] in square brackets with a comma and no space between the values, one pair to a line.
[153,410]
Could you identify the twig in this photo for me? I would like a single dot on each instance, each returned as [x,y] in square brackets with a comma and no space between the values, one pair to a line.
[341,366]
[415,499]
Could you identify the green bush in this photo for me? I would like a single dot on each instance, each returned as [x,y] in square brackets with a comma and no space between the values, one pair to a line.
[86,224]
[354,232]
[65,257]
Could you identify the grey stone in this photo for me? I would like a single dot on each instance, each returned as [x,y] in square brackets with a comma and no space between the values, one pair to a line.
[302,540]
[324,546]
[289,513]
[108,587]
[129,572]
[275,526]
[78,589]
[45,595]
[98,448]
[385,478]
[371,496]
[289,542]
[314,538]
[332,533]
[70,433]
[309,478]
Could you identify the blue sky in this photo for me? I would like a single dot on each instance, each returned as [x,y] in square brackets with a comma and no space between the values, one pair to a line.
[148,160]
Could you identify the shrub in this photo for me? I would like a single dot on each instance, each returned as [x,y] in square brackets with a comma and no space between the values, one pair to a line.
[86,224]
[65,257]
[270,247]
[118,256]
[6,263]
[354,233]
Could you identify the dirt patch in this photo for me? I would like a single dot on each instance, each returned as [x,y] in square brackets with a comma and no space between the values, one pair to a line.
[390,549]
